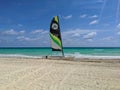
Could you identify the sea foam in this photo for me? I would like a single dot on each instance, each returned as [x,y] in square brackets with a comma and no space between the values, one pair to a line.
[17,56]
[78,55]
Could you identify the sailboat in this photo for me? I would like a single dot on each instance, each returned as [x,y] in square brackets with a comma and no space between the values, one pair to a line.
[55,35]
[56,40]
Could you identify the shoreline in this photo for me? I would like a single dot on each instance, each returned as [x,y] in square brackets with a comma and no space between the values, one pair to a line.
[96,60]
[66,56]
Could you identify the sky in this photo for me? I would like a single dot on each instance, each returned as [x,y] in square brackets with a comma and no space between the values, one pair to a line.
[83,23]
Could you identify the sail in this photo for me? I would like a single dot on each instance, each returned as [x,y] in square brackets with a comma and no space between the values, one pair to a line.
[55,35]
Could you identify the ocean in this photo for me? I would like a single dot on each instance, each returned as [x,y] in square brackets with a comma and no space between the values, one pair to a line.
[77,52]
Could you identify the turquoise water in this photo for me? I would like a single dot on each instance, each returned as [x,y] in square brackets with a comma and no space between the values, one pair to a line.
[39,52]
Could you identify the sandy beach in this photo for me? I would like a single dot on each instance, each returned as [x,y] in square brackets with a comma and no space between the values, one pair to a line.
[41,74]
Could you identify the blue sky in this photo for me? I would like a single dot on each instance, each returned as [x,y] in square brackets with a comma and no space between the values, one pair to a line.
[84,23]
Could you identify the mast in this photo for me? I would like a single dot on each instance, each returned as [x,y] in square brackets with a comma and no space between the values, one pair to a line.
[61,38]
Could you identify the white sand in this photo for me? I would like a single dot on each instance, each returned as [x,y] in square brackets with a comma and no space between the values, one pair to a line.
[38,74]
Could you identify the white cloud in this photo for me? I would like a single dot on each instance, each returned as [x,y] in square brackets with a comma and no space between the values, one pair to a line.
[74,33]
[37,31]
[94,16]
[34,36]
[83,16]
[20,25]
[90,35]
[118,26]
[45,32]
[67,17]
[23,38]
[93,22]
[10,32]
[108,38]
[89,40]
[74,37]
[118,33]
[22,32]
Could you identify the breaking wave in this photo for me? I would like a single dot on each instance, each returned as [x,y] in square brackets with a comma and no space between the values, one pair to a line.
[18,56]
[78,55]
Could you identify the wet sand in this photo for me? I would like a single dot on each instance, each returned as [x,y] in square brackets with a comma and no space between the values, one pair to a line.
[42,74]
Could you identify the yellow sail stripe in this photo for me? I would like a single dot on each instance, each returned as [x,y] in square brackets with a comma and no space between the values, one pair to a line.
[56,19]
